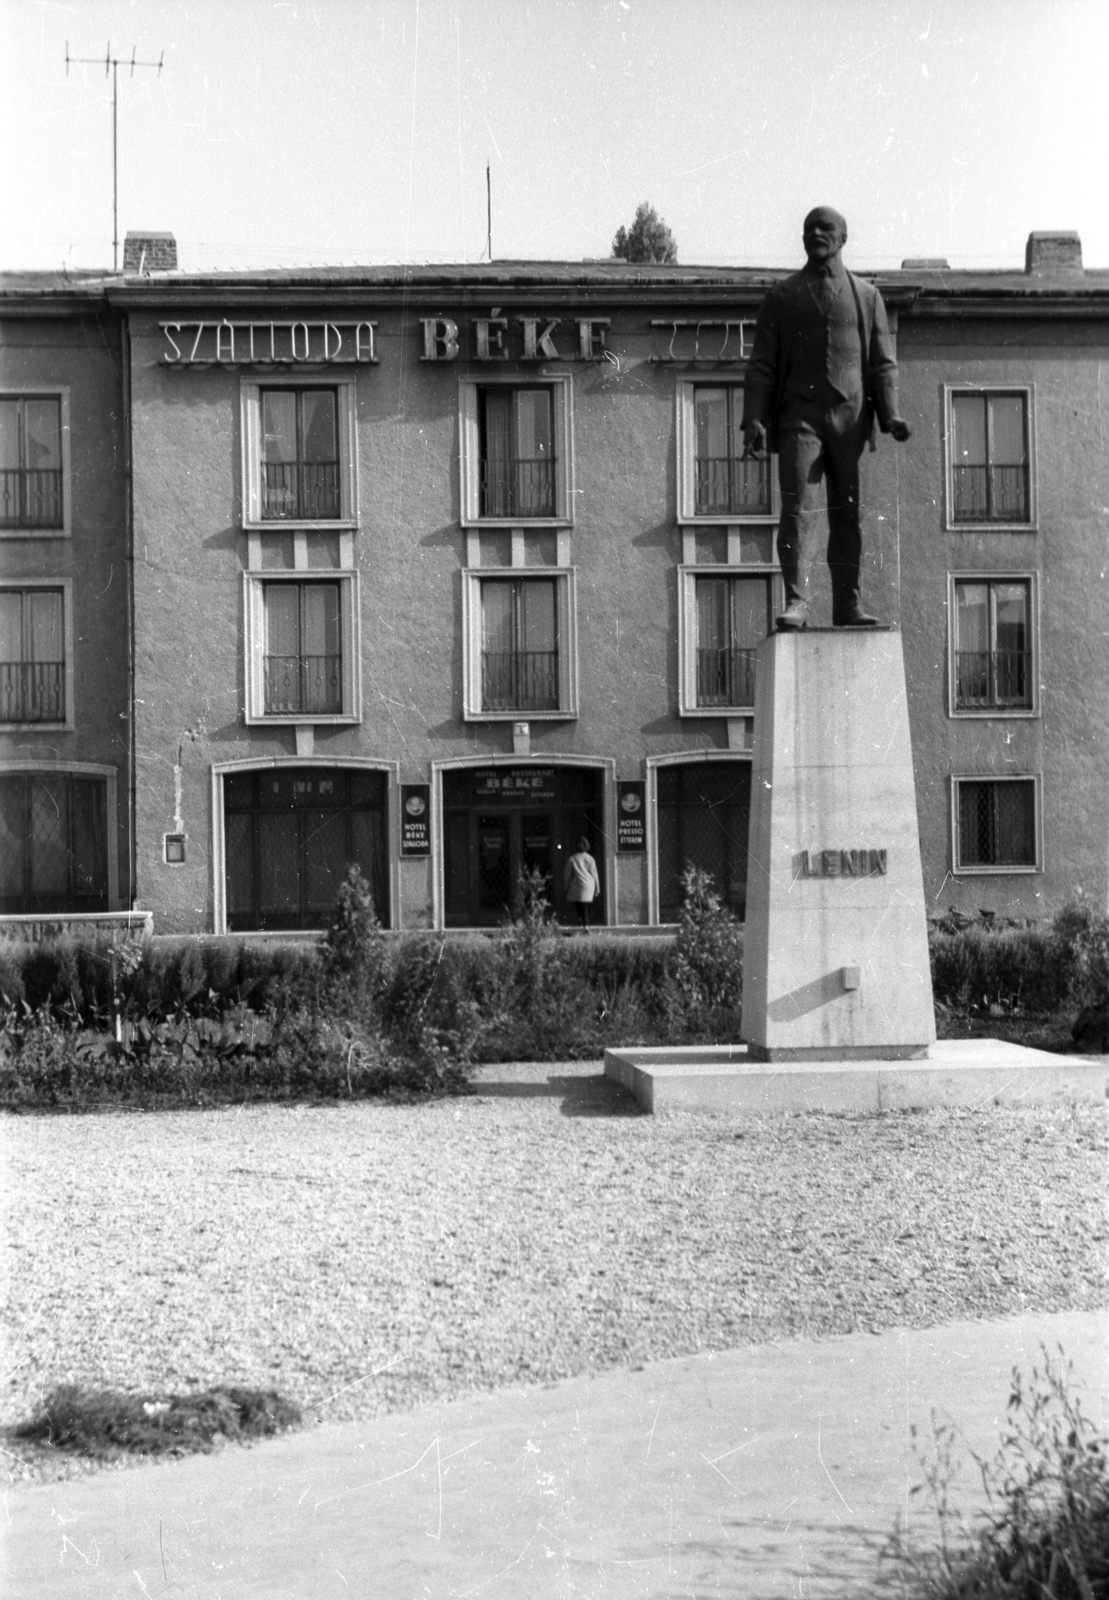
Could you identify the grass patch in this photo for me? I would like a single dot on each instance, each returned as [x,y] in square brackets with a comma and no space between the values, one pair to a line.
[104,1424]
[1044,1534]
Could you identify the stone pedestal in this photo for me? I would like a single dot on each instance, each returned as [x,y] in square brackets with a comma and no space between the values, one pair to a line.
[836,949]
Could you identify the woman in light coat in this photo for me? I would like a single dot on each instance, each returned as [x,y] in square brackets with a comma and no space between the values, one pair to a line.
[582,881]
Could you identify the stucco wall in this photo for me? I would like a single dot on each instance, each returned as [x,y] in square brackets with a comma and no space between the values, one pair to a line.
[82,354]
[626,547]
[1068,551]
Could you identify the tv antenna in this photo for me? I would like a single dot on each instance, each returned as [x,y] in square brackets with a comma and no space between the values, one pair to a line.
[112,64]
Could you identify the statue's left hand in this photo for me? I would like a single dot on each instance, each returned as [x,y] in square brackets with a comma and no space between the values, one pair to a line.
[900,429]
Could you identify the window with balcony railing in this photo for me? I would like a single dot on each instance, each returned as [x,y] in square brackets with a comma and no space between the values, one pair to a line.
[302,664]
[519,644]
[32,655]
[990,458]
[724,484]
[31,462]
[517,452]
[733,616]
[993,645]
[300,455]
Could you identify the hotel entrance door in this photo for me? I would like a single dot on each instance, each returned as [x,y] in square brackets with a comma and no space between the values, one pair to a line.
[511,846]
[502,824]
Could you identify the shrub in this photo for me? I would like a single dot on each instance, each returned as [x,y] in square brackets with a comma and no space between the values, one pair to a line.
[1081,935]
[1009,970]
[706,972]
[104,1423]
[1045,1530]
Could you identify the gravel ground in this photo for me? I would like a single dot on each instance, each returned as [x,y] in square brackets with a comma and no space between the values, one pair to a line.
[366,1258]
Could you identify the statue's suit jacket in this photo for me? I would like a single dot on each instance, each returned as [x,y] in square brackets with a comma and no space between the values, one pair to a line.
[801,351]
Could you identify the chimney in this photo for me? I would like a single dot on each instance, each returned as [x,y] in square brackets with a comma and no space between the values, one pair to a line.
[925,264]
[149,252]
[1053,252]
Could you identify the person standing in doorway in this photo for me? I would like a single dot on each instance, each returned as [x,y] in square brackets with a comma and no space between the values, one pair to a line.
[582,882]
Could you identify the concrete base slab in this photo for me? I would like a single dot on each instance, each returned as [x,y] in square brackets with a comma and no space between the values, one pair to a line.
[970,1072]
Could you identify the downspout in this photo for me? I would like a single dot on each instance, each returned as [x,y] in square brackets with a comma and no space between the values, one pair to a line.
[129,521]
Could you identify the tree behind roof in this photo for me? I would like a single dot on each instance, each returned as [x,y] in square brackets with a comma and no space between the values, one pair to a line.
[648,238]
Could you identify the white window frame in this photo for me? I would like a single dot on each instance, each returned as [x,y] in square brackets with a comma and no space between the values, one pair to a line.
[1006,712]
[680,758]
[469,454]
[251,401]
[687,630]
[565,579]
[950,391]
[605,765]
[61,394]
[80,769]
[255,645]
[686,438]
[66,586]
[986,869]
[223,769]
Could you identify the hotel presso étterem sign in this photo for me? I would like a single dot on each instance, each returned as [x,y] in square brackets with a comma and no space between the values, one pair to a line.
[328,343]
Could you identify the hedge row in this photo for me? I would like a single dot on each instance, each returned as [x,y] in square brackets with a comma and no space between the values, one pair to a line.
[362,1014]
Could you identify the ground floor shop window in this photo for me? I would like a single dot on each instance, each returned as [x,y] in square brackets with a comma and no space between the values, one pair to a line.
[703,813]
[53,843]
[290,835]
[503,824]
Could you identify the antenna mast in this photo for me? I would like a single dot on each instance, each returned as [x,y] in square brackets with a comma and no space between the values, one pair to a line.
[488,212]
[111,64]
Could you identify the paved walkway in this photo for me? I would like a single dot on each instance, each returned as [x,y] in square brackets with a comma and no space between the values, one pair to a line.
[772,1471]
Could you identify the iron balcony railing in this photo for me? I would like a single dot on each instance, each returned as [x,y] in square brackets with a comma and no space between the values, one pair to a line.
[32,691]
[992,678]
[519,680]
[31,498]
[726,677]
[726,485]
[301,490]
[990,494]
[518,488]
[303,684]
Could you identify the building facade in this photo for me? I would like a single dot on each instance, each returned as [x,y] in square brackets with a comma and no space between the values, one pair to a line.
[442,570]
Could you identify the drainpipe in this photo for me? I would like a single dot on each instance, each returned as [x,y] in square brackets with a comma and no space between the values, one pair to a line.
[129,523]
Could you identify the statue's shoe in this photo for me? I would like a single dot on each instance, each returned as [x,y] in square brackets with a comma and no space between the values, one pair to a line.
[855,618]
[793,618]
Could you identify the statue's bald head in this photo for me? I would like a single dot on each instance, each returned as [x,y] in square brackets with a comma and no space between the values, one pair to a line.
[824,234]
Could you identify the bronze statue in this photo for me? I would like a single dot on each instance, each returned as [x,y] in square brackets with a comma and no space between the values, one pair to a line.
[822,374]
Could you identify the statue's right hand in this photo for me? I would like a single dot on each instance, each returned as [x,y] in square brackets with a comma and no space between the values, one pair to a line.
[754,440]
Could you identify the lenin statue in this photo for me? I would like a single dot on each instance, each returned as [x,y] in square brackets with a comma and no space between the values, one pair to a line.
[821,376]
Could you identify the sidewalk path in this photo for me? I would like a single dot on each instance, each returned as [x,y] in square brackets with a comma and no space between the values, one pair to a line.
[772,1471]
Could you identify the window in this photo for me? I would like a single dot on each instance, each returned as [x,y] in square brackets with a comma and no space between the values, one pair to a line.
[703,813]
[32,656]
[53,843]
[290,833]
[519,644]
[733,617]
[714,479]
[994,669]
[299,455]
[724,484]
[728,590]
[519,632]
[516,430]
[302,653]
[990,458]
[32,463]
[996,825]
[516,456]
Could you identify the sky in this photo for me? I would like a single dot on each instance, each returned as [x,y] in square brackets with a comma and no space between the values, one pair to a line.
[357,132]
